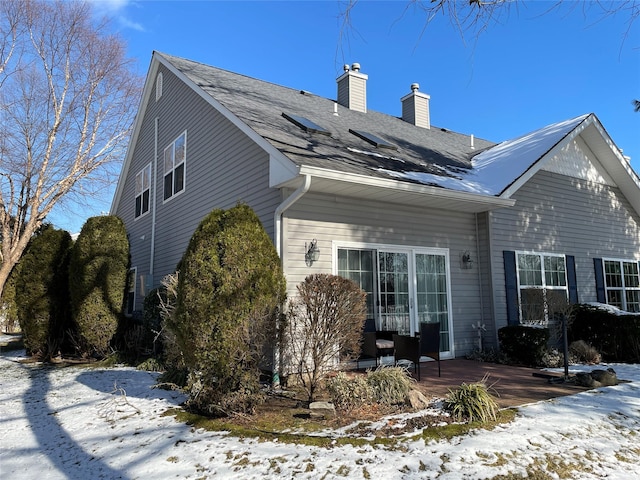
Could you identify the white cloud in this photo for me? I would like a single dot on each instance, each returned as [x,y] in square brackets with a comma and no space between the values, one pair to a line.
[116,9]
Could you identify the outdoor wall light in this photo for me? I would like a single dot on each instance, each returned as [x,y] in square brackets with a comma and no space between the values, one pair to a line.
[466,261]
[312,252]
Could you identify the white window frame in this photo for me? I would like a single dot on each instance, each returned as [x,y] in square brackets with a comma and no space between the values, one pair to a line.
[159,82]
[170,167]
[543,286]
[142,185]
[412,251]
[623,289]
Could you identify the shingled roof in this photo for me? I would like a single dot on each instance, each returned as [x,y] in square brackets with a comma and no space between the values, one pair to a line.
[433,167]
[261,104]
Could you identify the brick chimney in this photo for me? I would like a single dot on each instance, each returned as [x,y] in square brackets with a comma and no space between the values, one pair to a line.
[352,88]
[415,107]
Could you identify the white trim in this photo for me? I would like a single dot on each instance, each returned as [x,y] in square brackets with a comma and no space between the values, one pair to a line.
[135,196]
[411,251]
[623,288]
[159,86]
[542,161]
[544,285]
[173,178]
[405,186]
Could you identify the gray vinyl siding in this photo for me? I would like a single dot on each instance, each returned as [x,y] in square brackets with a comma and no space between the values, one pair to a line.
[223,167]
[330,219]
[559,214]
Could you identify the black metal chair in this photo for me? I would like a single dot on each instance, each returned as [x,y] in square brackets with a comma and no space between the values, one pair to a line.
[413,348]
[373,344]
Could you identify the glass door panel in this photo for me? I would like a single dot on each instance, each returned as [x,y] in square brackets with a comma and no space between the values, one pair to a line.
[393,271]
[432,297]
[358,265]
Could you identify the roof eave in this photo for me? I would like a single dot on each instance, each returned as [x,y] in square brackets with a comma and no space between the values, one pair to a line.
[366,187]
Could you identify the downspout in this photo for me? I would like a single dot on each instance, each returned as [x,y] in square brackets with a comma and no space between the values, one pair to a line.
[153,203]
[479,276]
[290,200]
[278,236]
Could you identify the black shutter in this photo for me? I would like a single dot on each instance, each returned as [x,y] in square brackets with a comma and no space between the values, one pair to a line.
[600,291]
[511,287]
[572,281]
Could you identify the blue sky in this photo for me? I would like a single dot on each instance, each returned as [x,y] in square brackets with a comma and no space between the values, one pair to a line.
[523,73]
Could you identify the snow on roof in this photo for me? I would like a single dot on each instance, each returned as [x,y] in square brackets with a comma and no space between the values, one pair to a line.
[496,168]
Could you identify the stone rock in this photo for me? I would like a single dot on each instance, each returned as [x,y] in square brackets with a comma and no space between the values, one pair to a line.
[322,410]
[416,400]
[606,377]
[597,378]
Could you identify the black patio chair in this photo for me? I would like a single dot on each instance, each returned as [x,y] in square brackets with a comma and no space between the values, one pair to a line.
[413,348]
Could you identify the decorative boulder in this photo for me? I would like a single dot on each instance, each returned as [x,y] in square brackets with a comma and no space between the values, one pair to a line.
[322,410]
[416,400]
[597,378]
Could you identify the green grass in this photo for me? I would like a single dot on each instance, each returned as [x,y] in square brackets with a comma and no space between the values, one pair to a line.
[301,432]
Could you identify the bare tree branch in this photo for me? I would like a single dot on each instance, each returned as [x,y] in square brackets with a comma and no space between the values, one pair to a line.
[65,110]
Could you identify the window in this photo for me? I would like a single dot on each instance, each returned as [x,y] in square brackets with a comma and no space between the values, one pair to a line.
[143,189]
[306,124]
[159,86]
[131,292]
[174,162]
[622,284]
[542,284]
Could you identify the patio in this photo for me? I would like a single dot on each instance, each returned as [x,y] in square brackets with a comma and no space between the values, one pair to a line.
[512,386]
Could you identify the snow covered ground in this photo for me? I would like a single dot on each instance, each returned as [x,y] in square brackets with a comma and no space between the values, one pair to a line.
[75,423]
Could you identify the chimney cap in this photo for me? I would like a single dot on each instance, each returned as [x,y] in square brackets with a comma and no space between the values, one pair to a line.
[415,87]
[355,67]
[345,67]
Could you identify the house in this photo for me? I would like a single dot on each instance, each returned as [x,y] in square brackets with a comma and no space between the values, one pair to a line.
[435,226]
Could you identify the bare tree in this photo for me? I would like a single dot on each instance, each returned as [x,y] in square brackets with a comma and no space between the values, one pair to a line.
[67,101]
[325,322]
[476,16]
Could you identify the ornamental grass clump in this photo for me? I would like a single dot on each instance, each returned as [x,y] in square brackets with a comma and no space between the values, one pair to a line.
[390,385]
[472,402]
[347,393]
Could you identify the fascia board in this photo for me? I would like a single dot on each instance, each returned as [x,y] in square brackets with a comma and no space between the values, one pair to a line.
[274,153]
[137,126]
[537,165]
[405,187]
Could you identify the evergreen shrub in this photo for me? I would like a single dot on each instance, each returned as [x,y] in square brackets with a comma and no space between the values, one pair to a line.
[615,336]
[229,291]
[98,276]
[42,292]
[524,344]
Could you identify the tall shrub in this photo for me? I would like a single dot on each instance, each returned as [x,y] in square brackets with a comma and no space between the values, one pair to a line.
[98,275]
[326,320]
[229,291]
[42,292]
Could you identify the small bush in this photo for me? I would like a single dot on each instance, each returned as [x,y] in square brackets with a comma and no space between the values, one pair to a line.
[151,365]
[349,393]
[584,353]
[326,320]
[525,345]
[390,385]
[471,402]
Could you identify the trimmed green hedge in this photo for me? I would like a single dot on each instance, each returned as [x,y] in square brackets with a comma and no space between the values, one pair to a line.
[98,276]
[42,292]
[616,337]
[230,288]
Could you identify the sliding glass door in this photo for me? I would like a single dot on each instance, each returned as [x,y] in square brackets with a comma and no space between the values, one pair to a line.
[404,287]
